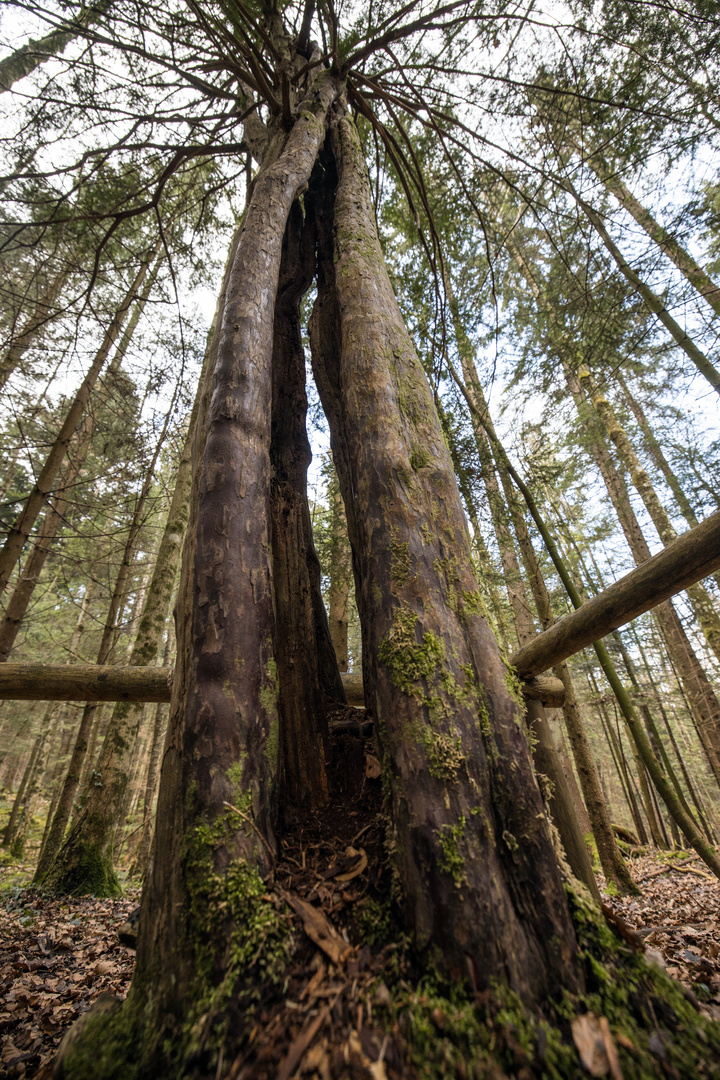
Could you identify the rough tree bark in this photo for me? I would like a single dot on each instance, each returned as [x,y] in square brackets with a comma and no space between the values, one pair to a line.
[340,571]
[303,721]
[217,803]
[490,902]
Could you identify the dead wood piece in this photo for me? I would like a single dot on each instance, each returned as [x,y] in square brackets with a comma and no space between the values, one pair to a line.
[319,929]
[300,1044]
[623,928]
[106,682]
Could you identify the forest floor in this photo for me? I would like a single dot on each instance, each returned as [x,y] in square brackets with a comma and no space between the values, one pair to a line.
[58,956]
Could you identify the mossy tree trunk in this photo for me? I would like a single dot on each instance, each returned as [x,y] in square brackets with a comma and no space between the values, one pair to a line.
[217,805]
[480,879]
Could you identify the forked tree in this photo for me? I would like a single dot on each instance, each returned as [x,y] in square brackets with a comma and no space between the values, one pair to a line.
[482,889]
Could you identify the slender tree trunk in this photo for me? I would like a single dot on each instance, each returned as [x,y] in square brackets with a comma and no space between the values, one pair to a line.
[704,703]
[640,739]
[45,312]
[657,455]
[650,725]
[702,815]
[36,51]
[11,827]
[622,771]
[700,600]
[35,782]
[484,568]
[616,871]
[667,243]
[340,571]
[24,523]
[89,721]
[29,577]
[142,854]
[652,300]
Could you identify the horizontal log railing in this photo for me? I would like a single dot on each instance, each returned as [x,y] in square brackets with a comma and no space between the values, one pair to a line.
[691,557]
[95,682]
[84,682]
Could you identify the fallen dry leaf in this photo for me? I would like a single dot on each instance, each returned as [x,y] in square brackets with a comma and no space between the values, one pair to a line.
[373,768]
[588,1037]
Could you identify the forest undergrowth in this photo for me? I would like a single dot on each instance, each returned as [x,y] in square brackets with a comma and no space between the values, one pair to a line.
[352,1003]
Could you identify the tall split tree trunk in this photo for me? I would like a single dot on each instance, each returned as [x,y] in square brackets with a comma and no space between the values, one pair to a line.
[215,831]
[487,901]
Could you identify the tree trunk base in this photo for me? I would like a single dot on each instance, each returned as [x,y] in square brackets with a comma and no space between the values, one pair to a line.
[86,870]
[371,1007]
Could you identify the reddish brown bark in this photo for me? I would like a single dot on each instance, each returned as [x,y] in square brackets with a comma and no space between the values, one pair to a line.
[480,878]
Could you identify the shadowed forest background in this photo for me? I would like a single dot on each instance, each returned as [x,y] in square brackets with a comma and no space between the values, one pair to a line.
[336,346]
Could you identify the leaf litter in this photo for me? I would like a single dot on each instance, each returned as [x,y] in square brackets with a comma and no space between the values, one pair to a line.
[58,959]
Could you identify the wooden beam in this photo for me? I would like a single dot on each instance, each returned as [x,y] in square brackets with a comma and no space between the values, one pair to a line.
[95,682]
[84,682]
[693,556]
